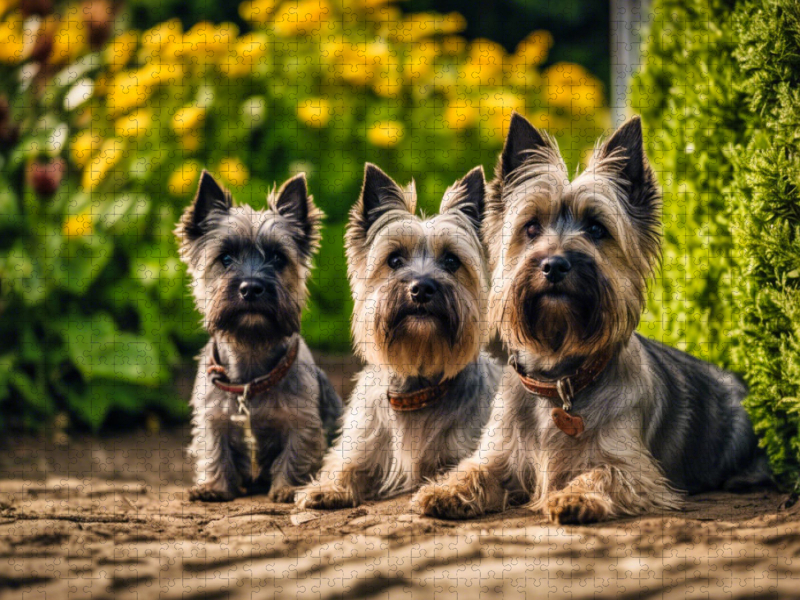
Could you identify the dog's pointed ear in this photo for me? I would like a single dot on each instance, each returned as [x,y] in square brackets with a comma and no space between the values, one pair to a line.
[522,138]
[294,203]
[627,143]
[379,194]
[210,197]
[467,196]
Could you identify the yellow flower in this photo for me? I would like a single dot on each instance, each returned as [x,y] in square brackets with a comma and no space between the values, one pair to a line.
[207,41]
[154,73]
[485,64]
[571,86]
[16,43]
[385,134]
[135,124]
[257,11]
[532,51]
[233,171]
[191,141]
[128,90]
[71,37]
[120,50]
[84,146]
[498,108]
[454,45]
[110,154]
[188,119]
[461,114]
[77,226]
[183,179]
[166,33]
[314,112]
[304,18]
[423,25]
[421,60]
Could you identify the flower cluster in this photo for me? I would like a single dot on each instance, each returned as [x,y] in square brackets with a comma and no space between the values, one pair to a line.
[109,128]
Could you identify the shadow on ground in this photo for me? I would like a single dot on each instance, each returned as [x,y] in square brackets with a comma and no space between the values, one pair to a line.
[109,518]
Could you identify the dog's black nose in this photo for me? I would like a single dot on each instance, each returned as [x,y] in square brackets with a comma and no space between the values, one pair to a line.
[422,290]
[250,289]
[555,268]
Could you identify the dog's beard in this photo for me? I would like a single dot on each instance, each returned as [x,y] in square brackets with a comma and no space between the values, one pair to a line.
[408,322]
[568,319]
[264,321]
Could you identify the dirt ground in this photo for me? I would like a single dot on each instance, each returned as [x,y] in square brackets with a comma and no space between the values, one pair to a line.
[108,518]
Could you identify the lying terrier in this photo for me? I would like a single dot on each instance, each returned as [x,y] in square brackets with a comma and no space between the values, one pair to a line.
[591,420]
[263,411]
[420,289]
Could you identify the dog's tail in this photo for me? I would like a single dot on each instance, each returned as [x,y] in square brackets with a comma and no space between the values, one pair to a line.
[330,408]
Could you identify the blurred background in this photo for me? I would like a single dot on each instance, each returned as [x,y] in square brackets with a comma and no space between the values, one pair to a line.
[109,110]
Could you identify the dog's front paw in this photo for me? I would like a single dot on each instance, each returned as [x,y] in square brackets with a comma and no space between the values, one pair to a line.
[282,493]
[325,498]
[445,501]
[570,508]
[208,492]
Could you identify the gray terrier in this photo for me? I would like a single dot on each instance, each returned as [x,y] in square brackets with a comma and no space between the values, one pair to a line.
[591,420]
[263,411]
[420,287]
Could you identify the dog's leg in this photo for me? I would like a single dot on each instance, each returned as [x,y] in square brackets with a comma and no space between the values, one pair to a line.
[470,490]
[297,462]
[216,475]
[348,471]
[608,491]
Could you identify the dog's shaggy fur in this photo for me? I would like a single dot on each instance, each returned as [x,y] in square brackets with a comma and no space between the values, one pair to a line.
[225,247]
[657,421]
[411,343]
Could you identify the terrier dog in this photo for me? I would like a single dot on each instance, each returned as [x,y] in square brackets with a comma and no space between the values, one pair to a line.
[263,411]
[420,287]
[591,420]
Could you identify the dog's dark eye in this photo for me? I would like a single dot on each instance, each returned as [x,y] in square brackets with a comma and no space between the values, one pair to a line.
[395,261]
[451,262]
[533,229]
[226,260]
[596,231]
[278,261]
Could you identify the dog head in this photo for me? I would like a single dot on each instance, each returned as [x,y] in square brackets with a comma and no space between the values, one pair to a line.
[249,267]
[419,284]
[570,259]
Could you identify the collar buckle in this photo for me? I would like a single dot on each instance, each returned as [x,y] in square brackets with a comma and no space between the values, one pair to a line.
[565,392]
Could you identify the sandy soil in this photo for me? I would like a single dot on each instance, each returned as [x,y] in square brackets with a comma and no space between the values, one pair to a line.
[109,519]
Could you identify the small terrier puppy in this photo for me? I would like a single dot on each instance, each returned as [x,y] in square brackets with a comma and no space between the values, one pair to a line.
[591,420]
[263,411]
[420,287]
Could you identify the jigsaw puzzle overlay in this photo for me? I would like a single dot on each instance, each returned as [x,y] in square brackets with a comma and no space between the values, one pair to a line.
[325,299]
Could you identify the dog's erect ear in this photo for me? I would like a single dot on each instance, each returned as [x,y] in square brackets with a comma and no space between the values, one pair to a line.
[467,197]
[627,143]
[294,203]
[210,197]
[522,138]
[379,194]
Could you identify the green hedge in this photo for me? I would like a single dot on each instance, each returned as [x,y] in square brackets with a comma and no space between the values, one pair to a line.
[694,122]
[719,93]
[767,227]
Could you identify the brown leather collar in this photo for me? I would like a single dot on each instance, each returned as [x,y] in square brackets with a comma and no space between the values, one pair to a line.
[408,401]
[258,385]
[567,387]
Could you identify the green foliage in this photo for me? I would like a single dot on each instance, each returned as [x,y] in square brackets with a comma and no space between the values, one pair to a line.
[105,131]
[767,227]
[694,122]
[720,93]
